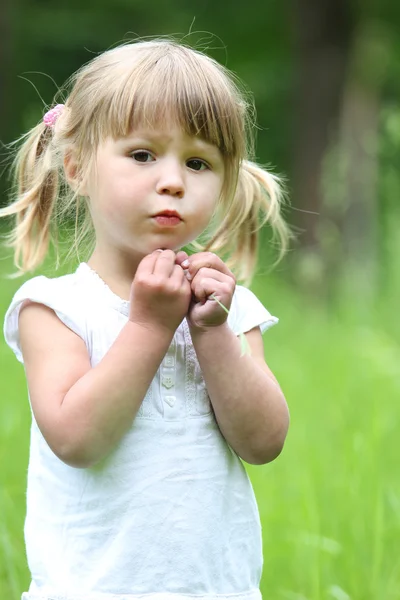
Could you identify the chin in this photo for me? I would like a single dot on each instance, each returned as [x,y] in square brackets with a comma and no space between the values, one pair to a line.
[167,246]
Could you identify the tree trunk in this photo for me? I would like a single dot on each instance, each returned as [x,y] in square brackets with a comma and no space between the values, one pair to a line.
[324,32]
[356,210]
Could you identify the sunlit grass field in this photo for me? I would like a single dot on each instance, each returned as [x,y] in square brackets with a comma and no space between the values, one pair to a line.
[330,504]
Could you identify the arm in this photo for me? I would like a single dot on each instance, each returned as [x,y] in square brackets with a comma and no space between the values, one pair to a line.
[101,406]
[249,405]
[83,412]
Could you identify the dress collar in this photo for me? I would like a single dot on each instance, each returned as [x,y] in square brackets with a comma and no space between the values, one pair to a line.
[115,301]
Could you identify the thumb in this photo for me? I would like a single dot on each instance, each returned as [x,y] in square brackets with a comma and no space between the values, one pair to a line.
[180,257]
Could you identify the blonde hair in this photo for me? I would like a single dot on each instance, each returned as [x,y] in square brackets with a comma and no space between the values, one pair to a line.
[146,82]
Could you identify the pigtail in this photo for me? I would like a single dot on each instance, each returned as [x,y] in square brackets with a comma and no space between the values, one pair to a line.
[258,200]
[36,183]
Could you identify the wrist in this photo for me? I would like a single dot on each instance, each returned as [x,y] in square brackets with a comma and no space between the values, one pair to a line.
[208,331]
[159,331]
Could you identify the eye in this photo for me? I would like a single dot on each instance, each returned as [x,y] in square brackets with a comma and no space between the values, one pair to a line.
[196,164]
[142,156]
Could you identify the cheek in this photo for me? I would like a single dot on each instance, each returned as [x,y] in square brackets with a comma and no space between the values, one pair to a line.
[217,184]
[213,196]
[205,215]
[112,192]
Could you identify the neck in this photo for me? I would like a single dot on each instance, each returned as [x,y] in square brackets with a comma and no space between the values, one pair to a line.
[116,269]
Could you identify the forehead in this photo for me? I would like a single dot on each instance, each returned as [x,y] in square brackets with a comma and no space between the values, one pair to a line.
[166,92]
[166,124]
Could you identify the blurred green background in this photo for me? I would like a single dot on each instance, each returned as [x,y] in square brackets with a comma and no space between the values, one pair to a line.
[326,80]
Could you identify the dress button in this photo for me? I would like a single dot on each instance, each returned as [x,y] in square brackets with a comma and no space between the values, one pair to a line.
[167,381]
[169,361]
[170,400]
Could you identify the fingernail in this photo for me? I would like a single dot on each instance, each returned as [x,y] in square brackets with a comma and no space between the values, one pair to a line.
[185,263]
[189,277]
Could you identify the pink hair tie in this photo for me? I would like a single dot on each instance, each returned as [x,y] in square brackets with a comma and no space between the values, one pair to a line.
[52,115]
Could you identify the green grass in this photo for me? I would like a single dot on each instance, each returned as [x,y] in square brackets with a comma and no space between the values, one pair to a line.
[330,504]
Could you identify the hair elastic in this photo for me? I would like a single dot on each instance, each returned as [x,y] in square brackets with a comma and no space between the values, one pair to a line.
[52,115]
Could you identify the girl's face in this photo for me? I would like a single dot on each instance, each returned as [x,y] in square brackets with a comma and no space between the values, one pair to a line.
[153,189]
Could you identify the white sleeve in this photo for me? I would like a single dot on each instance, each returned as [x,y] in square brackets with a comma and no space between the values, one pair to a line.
[51,293]
[247,312]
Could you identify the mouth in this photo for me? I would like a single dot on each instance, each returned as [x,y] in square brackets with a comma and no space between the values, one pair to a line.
[168,213]
[167,218]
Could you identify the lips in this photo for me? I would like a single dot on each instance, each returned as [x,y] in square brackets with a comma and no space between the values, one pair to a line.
[168,213]
[167,219]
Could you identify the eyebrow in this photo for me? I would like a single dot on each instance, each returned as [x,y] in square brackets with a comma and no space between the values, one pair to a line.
[165,138]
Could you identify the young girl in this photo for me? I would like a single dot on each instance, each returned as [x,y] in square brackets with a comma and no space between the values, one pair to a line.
[143,402]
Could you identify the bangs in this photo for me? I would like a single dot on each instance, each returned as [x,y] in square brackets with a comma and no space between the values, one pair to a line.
[168,84]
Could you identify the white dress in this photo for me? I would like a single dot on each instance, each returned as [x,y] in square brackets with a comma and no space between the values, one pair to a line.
[170,513]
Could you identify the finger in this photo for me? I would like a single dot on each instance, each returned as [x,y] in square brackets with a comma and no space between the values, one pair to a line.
[208,273]
[178,276]
[204,288]
[165,263]
[180,257]
[209,260]
[147,264]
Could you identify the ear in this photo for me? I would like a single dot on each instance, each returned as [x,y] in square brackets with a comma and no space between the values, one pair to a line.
[71,171]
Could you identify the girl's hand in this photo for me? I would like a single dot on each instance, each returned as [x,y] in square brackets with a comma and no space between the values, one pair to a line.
[160,293]
[208,276]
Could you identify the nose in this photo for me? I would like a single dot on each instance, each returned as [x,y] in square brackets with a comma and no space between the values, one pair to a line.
[171,179]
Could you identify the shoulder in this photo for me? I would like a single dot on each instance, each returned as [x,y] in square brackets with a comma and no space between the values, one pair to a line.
[247,312]
[41,287]
[65,295]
